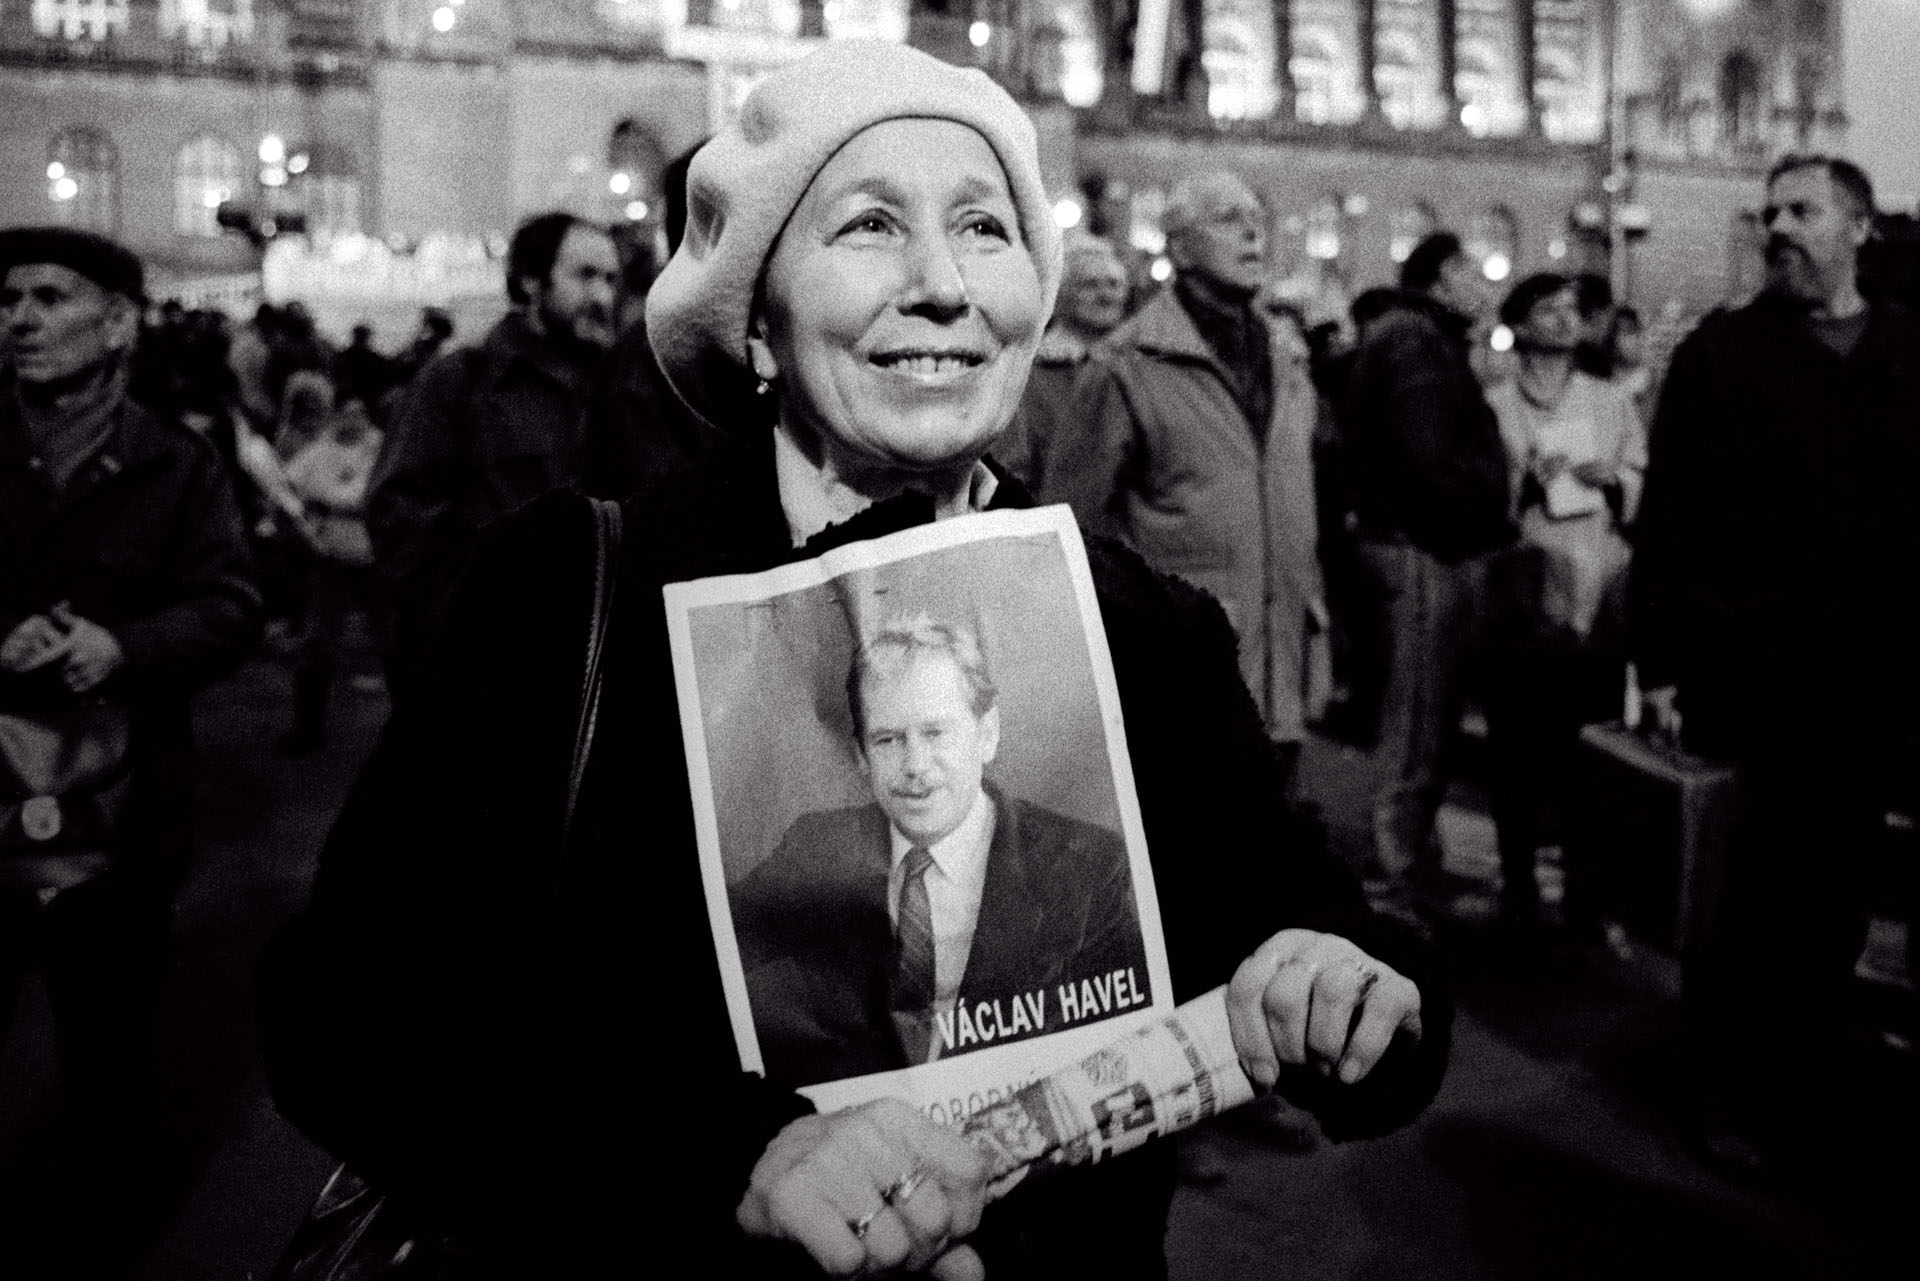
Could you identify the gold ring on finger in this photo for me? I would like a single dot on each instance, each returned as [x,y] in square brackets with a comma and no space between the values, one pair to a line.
[901,1190]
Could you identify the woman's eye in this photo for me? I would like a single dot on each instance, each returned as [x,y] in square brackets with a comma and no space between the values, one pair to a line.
[984,224]
[871,223]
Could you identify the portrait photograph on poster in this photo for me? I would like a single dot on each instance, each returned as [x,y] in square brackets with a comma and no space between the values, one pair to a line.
[921,848]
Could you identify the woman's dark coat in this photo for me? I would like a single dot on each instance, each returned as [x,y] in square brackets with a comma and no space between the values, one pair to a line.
[536,1044]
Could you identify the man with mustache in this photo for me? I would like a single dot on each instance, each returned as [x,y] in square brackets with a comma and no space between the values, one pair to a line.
[483,430]
[1772,605]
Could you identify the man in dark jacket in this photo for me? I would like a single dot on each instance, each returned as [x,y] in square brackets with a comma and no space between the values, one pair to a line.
[483,430]
[1773,604]
[124,584]
[1428,480]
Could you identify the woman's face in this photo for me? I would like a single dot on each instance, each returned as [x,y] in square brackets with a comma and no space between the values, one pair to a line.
[901,309]
[1553,323]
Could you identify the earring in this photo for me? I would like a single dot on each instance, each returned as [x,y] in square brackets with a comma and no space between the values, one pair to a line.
[761,390]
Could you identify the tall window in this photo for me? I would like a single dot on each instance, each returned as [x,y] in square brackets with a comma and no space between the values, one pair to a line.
[206,172]
[1740,98]
[80,19]
[1239,59]
[208,24]
[83,180]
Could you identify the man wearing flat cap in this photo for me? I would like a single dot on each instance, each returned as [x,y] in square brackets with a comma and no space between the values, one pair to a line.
[124,585]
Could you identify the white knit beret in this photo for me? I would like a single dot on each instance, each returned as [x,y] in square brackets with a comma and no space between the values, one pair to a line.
[746,182]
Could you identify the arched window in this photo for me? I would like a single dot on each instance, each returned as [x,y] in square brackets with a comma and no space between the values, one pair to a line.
[83,180]
[1739,98]
[206,173]
[80,19]
[1407,226]
[1493,238]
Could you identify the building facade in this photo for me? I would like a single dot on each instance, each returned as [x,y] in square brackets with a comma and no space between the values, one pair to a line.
[406,137]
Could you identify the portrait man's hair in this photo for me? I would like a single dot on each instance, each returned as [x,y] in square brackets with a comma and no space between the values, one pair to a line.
[901,641]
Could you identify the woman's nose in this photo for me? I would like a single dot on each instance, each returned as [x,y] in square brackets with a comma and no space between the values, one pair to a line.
[936,283]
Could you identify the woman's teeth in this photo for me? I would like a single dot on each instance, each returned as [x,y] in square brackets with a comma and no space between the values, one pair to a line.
[927,363]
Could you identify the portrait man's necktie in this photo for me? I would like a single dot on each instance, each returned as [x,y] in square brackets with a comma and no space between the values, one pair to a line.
[911,995]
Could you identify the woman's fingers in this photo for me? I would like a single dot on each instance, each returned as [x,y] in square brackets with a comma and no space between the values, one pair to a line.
[1392,1003]
[872,1188]
[962,1263]
[1338,991]
[1304,996]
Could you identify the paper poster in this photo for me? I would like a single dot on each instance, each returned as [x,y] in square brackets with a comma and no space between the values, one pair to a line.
[924,865]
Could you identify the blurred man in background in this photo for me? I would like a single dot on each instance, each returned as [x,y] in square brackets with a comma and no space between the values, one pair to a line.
[483,430]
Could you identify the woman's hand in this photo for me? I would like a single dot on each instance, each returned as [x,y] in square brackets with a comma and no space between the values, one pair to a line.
[1310,997]
[871,1188]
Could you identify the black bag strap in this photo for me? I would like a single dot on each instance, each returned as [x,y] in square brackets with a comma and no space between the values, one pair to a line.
[606,563]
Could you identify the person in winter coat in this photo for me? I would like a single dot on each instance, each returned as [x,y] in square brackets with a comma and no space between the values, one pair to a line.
[484,430]
[1427,475]
[1093,301]
[125,585]
[1772,619]
[873,242]
[1195,446]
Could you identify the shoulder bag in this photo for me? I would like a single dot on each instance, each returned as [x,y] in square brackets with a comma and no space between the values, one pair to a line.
[354,1232]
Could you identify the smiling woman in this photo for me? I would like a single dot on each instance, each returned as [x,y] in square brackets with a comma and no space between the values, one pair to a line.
[871,244]
[901,311]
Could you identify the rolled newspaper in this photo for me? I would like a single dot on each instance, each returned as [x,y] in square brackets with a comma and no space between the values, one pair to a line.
[1168,1075]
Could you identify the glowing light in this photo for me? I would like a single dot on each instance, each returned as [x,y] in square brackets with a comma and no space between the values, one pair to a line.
[1474,117]
[1501,339]
[1557,248]
[1497,267]
[213,197]
[979,33]
[273,176]
[1162,269]
[637,210]
[444,17]
[1357,205]
[56,171]
[65,188]
[1067,213]
[273,149]
[297,162]
[620,184]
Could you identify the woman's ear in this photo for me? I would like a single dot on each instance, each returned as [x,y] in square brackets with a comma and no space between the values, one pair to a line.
[759,350]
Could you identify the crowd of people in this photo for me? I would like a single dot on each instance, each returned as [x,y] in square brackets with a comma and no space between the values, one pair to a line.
[1357,529]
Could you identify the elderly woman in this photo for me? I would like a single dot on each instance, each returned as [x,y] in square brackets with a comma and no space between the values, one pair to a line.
[529,1041]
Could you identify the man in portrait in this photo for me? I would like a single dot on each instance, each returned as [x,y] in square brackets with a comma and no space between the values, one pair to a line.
[944,916]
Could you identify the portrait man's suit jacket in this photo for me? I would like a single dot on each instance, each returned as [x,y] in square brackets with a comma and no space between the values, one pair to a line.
[815,936]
